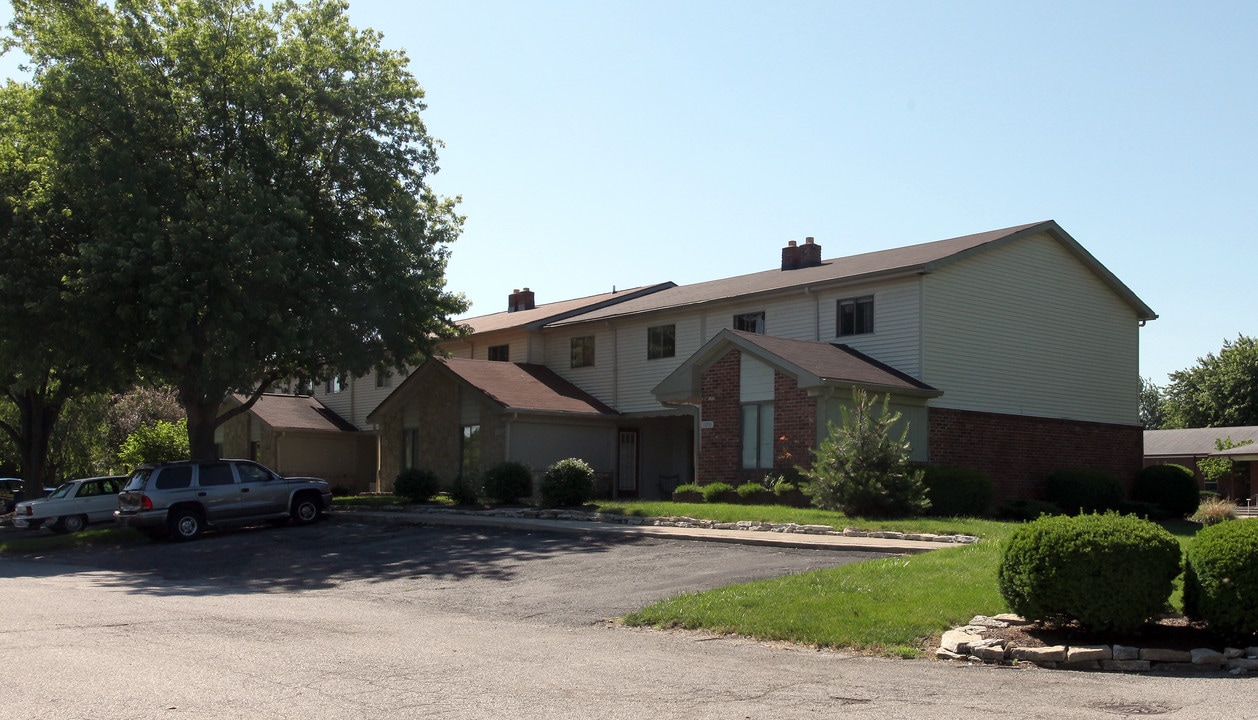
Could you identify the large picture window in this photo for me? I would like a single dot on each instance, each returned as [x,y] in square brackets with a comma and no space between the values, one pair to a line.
[583,351]
[661,342]
[469,460]
[856,316]
[757,435]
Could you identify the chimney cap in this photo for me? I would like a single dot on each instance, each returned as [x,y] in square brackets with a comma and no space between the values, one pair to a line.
[808,240]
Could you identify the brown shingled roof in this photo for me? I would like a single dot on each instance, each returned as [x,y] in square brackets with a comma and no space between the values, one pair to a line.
[297,412]
[527,387]
[835,362]
[551,312]
[920,258]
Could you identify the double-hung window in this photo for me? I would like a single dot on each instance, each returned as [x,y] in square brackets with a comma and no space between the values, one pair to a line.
[856,316]
[582,351]
[661,342]
[750,322]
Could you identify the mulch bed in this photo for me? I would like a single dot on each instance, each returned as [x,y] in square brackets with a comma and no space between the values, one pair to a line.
[1172,633]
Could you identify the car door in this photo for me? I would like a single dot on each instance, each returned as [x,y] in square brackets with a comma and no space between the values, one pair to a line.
[218,491]
[262,492]
[94,500]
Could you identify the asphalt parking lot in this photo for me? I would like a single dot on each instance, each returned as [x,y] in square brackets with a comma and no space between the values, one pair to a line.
[344,619]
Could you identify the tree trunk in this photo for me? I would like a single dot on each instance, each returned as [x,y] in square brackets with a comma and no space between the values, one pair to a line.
[202,421]
[38,414]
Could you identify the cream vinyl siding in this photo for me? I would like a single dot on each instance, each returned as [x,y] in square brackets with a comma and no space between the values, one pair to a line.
[598,380]
[1027,329]
[896,339]
[358,398]
[636,375]
[755,380]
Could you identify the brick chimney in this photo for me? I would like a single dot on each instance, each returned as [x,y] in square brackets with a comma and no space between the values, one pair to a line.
[801,256]
[809,254]
[520,300]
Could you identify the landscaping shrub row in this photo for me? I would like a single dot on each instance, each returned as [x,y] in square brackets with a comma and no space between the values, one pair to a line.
[1111,573]
[567,483]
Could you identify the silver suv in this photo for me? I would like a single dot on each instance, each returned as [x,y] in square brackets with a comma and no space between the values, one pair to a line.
[180,499]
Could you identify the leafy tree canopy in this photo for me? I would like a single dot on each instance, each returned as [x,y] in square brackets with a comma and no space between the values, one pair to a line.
[254,183]
[1219,391]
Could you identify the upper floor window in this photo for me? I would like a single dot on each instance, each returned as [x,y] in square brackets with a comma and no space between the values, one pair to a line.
[583,351]
[661,342]
[334,385]
[750,322]
[500,353]
[384,378]
[856,316]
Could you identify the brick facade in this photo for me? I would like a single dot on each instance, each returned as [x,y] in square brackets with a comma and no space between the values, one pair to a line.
[720,448]
[1019,453]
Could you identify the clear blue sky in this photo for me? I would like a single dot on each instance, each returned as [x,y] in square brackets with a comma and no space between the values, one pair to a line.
[599,145]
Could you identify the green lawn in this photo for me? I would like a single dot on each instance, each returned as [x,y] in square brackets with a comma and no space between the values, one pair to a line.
[892,606]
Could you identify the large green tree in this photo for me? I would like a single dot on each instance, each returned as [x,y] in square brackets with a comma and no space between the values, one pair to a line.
[54,344]
[255,181]
[1219,391]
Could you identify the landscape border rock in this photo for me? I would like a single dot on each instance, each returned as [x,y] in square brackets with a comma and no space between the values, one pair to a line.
[679,521]
[966,643]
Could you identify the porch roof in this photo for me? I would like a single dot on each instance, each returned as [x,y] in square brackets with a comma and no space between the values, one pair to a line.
[296,412]
[525,387]
[813,364]
[1199,442]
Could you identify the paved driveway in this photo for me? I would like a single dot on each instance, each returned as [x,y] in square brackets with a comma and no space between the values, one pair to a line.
[344,620]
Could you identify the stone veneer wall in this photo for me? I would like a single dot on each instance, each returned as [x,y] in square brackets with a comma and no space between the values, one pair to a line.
[1019,452]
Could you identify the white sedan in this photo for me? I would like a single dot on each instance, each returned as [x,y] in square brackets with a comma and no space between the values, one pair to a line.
[73,505]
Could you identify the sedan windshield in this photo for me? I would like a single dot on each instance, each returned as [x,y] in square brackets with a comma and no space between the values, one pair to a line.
[61,490]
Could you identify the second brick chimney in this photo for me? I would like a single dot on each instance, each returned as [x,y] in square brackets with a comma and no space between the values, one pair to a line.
[521,300]
[801,256]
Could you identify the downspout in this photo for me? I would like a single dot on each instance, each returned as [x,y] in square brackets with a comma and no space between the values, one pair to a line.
[816,313]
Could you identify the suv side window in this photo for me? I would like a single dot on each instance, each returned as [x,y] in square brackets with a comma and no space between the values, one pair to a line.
[252,473]
[215,474]
[173,478]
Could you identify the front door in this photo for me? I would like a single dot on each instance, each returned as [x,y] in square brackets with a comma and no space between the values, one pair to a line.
[627,465]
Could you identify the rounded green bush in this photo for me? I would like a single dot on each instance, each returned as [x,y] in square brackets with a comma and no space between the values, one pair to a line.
[508,481]
[1110,573]
[1084,491]
[957,492]
[568,483]
[1174,487]
[715,492]
[1221,578]
[416,485]
[688,493]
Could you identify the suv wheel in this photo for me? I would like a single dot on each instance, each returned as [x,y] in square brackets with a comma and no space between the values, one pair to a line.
[184,524]
[305,510]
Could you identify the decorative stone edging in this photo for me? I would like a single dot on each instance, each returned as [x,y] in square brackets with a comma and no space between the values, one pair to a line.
[967,643]
[673,521]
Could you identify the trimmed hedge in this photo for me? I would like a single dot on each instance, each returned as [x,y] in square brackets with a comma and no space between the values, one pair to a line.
[1174,487]
[508,481]
[568,483]
[1084,491]
[716,492]
[416,485]
[1221,578]
[957,492]
[1110,573]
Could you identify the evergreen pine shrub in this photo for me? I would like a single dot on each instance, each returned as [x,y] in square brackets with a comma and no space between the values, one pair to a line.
[1084,491]
[508,481]
[1174,487]
[568,483]
[1110,573]
[416,485]
[957,492]
[1221,578]
[861,469]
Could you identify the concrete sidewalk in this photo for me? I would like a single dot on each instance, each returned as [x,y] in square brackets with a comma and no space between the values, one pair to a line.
[746,537]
